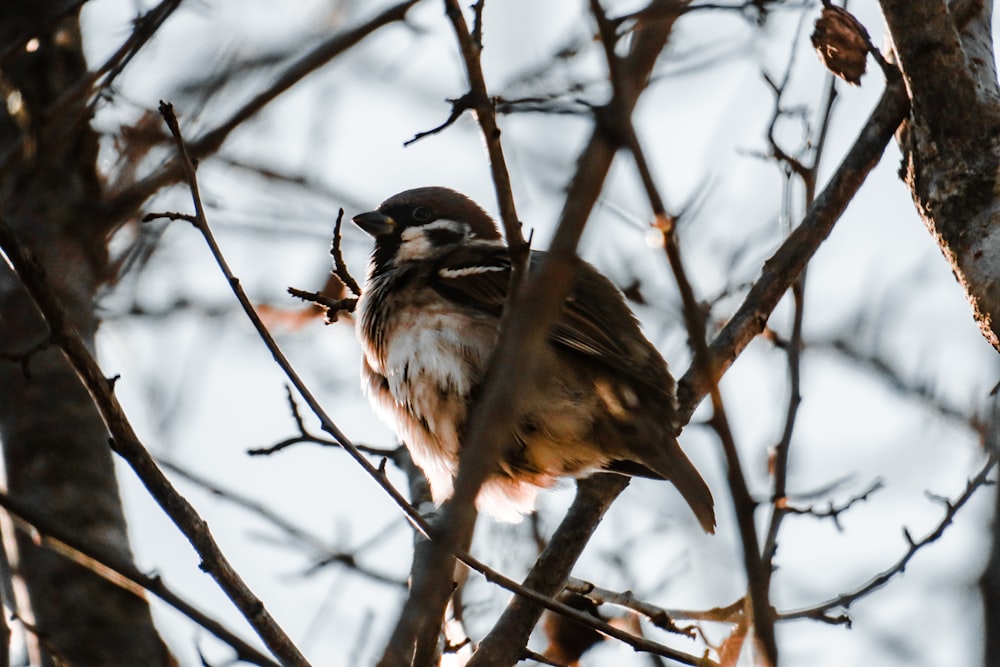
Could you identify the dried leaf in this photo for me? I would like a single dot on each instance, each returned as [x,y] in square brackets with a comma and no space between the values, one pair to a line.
[842,43]
[569,640]
[729,652]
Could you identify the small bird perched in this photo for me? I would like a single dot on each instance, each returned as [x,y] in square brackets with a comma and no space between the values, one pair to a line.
[601,400]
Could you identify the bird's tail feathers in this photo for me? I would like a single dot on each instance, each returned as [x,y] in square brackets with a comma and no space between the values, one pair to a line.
[668,460]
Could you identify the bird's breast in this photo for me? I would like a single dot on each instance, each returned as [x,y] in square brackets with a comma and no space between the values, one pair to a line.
[424,356]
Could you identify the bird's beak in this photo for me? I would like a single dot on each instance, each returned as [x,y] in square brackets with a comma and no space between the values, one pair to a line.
[375,223]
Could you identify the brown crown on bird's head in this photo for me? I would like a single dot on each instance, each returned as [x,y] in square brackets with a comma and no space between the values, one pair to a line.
[421,206]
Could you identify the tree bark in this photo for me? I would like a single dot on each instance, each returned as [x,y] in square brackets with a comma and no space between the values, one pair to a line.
[950,141]
[951,155]
[55,445]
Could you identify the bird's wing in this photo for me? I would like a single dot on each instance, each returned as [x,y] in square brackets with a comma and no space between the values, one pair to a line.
[477,277]
[474,276]
[597,323]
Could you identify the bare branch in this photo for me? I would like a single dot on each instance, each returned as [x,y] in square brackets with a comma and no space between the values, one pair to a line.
[459,106]
[822,611]
[831,511]
[127,444]
[728,614]
[479,100]
[339,265]
[658,616]
[377,474]
[122,573]
[170,215]
[323,553]
[132,197]
[332,306]
[788,262]
[806,173]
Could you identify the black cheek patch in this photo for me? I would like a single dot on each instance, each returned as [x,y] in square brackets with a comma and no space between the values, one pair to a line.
[442,237]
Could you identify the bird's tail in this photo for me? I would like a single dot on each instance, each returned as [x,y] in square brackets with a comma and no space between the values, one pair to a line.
[668,460]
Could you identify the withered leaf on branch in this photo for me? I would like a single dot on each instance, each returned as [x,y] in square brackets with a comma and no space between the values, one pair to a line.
[842,43]
[569,640]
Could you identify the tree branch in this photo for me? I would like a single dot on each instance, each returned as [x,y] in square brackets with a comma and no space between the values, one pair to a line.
[950,144]
[821,612]
[322,553]
[124,574]
[377,474]
[531,315]
[127,444]
[131,198]
[788,262]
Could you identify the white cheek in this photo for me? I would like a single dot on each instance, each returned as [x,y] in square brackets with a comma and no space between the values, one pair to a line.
[415,243]
[413,246]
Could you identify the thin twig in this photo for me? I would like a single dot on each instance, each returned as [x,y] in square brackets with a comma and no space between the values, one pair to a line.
[323,553]
[831,511]
[122,573]
[339,265]
[459,105]
[821,611]
[727,614]
[658,616]
[332,306]
[479,100]
[806,173]
[305,436]
[126,443]
[781,270]
[409,511]
[170,215]
[129,199]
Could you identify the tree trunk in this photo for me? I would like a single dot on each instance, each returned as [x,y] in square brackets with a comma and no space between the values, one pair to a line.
[950,142]
[951,156]
[55,445]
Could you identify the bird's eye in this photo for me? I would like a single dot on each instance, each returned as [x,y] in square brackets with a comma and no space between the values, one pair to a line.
[421,213]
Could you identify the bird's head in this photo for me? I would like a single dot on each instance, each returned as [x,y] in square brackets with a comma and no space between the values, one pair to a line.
[423,223]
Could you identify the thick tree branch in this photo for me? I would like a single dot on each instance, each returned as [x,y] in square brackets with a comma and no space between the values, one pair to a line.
[951,143]
[376,473]
[127,444]
[509,635]
[788,262]
[532,313]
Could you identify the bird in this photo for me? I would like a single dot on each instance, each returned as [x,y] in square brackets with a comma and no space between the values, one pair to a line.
[601,400]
